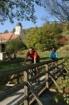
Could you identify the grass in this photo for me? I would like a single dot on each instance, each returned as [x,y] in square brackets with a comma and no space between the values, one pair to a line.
[13,64]
[62,52]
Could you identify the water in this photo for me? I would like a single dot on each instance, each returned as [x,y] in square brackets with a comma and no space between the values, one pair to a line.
[50,98]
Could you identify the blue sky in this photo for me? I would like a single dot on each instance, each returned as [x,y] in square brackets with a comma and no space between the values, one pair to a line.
[42,17]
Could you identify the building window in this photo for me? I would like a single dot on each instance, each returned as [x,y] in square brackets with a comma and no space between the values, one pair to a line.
[2,47]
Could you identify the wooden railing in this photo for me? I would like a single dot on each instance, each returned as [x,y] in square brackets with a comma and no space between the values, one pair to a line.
[34,78]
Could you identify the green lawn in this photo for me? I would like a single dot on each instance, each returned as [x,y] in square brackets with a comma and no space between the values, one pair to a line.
[13,64]
[62,52]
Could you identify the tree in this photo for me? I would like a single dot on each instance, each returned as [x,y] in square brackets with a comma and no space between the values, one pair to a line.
[66,27]
[31,37]
[19,9]
[58,8]
[13,46]
[25,9]
[6,31]
[43,37]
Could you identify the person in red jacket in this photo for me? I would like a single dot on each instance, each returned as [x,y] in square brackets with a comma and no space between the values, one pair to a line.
[32,56]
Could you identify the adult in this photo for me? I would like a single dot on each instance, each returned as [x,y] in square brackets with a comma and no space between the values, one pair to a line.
[53,54]
[32,55]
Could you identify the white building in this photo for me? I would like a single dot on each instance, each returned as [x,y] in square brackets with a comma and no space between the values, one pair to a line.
[5,37]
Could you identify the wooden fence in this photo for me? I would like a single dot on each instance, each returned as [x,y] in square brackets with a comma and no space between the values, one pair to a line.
[34,78]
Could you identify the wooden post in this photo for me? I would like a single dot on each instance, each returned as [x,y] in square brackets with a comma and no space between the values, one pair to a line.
[47,77]
[26,101]
[54,81]
[35,96]
[18,79]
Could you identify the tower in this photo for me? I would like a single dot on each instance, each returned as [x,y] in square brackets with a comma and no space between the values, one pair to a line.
[18,29]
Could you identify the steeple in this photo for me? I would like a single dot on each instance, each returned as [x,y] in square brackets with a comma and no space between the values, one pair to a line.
[18,29]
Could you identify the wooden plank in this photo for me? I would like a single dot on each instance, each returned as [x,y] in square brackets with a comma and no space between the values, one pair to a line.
[35,96]
[59,90]
[47,77]
[26,67]
[38,93]
[9,90]
[14,98]
[26,101]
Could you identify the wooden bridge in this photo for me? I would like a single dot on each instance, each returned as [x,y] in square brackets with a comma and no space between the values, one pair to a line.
[24,85]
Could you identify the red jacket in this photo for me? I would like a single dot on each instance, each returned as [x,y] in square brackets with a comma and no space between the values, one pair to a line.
[32,55]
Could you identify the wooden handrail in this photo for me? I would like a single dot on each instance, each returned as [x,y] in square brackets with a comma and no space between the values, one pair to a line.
[25,70]
[25,67]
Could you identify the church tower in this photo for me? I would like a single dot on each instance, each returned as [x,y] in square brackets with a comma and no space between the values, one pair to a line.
[18,29]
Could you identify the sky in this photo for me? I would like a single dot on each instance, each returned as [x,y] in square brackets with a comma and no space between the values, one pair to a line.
[41,14]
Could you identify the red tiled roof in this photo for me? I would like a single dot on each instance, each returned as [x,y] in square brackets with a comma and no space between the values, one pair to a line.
[7,36]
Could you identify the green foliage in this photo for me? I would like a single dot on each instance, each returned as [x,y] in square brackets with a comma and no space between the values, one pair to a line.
[39,46]
[52,28]
[14,45]
[19,9]
[44,37]
[32,37]
[66,27]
